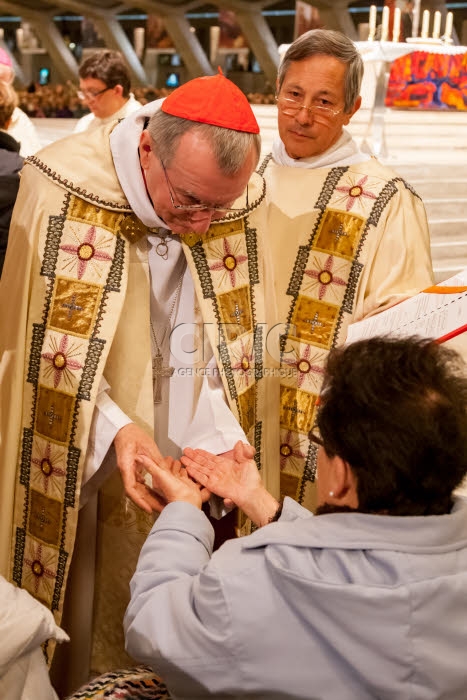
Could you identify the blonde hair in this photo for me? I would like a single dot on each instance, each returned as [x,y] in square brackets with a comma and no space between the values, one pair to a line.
[8,102]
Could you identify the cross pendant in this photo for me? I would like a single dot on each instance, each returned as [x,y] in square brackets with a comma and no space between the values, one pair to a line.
[159,371]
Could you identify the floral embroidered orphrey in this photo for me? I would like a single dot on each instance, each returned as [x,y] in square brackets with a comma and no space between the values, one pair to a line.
[280,287]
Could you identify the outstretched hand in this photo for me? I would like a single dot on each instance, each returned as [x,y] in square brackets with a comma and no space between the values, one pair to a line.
[235,479]
[170,482]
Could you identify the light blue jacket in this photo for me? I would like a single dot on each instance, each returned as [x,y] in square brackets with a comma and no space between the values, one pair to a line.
[342,606]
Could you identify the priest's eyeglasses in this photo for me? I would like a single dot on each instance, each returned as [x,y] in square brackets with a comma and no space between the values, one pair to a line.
[291,107]
[201,206]
[90,95]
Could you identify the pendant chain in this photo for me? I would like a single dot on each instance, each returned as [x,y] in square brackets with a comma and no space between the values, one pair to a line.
[171,312]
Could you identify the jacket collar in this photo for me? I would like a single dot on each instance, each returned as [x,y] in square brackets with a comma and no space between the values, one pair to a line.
[424,534]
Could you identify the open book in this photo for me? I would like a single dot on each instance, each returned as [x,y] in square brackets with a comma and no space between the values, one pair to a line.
[438,312]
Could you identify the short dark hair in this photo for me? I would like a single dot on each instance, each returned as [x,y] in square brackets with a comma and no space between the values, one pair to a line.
[327,42]
[108,66]
[395,409]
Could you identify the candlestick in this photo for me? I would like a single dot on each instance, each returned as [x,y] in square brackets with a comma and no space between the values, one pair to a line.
[448,27]
[437,25]
[396,27]
[372,23]
[425,23]
[385,24]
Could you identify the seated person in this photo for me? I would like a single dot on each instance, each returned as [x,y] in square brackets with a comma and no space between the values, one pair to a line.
[367,598]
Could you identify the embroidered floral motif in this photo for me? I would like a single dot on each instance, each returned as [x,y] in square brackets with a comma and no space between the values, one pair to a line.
[49,471]
[242,362]
[227,258]
[354,191]
[293,450]
[60,359]
[329,276]
[40,569]
[87,251]
[308,361]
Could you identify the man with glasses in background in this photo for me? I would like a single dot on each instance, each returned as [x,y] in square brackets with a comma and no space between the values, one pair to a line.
[104,356]
[346,237]
[104,87]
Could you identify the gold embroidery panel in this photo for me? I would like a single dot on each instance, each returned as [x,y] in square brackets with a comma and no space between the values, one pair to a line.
[339,233]
[45,518]
[216,230]
[297,409]
[235,310]
[74,306]
[315,321]
[79,210]
[246,403]
[54,412]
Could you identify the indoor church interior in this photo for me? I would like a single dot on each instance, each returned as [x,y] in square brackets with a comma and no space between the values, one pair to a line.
[111,430]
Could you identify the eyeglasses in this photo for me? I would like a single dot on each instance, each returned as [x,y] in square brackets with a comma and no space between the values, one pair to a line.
[291,107]
[200,206]
[316,439]
[89,95]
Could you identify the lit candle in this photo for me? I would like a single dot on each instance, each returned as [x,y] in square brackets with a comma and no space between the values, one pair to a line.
[448,27]
[437,25]
[385,24]
[372,23]
[396,27]
[425,23]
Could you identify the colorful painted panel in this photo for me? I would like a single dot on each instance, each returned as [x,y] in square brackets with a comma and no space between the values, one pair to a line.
[423,80]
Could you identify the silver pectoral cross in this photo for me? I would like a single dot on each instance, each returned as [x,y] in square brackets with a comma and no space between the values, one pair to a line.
[159,371]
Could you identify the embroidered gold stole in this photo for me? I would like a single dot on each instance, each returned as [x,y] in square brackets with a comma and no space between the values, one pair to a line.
[84,259]
[295,264]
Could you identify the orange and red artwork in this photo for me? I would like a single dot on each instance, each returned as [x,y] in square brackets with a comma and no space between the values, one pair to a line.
[423,80]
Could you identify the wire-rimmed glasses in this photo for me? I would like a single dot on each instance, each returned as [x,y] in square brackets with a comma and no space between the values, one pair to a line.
[291,107]
[201,206]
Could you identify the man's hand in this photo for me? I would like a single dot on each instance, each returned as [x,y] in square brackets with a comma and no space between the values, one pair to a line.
[170,482]
[130,443]
[234,479]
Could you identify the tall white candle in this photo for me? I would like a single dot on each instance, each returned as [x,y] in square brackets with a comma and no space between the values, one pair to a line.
[372,23]
[396,27]
[385,24]
[416,18]
[448,27]
[425,24]
[437,25]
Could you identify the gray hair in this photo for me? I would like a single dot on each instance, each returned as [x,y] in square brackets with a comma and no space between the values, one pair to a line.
[231,148]
[328,42]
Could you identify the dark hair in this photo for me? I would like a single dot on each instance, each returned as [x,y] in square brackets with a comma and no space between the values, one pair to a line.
[395,409]
[327,42]
[108,66]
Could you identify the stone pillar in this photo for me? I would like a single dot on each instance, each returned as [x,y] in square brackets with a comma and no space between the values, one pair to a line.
[115,38]
[187,44]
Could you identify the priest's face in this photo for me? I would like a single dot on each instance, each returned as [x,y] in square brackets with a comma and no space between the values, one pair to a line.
[311,106]
[192,177]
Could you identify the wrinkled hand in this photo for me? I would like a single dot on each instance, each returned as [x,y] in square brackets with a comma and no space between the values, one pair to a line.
[234,479]
[170,482]
[130,443]
[230,475]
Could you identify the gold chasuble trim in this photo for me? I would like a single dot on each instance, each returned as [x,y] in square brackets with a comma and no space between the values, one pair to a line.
[85,260]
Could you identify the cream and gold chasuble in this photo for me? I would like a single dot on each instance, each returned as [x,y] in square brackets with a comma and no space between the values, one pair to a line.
[84,271]
[280,287]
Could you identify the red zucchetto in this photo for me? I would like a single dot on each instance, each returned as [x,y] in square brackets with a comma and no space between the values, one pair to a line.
[212,100]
